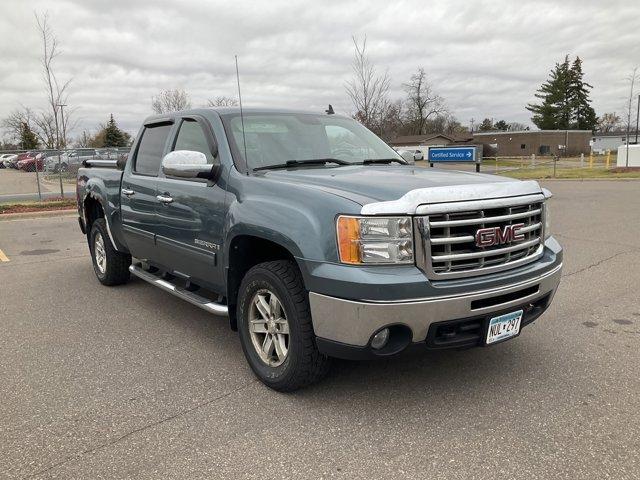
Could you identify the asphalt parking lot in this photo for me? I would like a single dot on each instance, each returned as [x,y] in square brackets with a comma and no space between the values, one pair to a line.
[130,382]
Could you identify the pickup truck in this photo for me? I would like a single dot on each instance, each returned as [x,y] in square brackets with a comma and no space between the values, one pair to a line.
[317,240]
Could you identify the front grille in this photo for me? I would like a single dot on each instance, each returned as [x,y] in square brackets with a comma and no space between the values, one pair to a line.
[449,236]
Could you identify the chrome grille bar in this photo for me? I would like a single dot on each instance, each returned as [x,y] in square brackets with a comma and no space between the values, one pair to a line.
[448,236]
[485,253]
[475,221]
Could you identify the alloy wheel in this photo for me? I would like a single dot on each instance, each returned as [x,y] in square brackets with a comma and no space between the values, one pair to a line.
[100,253]
[269,328]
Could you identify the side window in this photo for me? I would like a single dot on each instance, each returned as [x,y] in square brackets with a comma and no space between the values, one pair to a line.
[150,150]
[191,137]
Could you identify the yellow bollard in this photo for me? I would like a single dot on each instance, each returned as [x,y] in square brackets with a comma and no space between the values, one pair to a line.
[608,158]
[591,160]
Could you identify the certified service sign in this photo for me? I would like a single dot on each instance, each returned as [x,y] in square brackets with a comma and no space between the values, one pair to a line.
[451,154]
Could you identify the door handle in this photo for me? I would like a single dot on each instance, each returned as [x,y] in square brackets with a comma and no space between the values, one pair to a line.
[127,192]
[166,199]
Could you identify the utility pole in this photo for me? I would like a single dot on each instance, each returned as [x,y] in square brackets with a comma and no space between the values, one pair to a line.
[637,118]
[64,142]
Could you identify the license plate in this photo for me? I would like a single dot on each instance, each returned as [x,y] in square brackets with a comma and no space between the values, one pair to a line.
[503,327]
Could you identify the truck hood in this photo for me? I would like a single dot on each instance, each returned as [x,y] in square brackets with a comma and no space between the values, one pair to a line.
[399,189]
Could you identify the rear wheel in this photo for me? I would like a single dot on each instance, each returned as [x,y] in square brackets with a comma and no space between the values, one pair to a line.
[276,332]
[111,267]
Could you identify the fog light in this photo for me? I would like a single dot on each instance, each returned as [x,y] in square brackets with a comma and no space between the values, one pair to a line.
[380,339]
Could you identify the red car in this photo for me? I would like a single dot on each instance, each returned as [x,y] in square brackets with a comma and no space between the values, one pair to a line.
[28,163]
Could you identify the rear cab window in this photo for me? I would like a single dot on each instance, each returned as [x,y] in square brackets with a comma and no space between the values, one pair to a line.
[150,150]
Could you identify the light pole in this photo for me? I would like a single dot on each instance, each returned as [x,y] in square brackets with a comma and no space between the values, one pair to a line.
[637,118]
[64,142]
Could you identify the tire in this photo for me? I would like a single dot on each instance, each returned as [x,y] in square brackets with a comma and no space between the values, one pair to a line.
[303,364]
[111,267]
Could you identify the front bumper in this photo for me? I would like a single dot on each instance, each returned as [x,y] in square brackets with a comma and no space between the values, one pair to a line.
[344,328]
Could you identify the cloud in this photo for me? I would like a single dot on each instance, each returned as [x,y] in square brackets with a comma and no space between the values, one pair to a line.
[485,58]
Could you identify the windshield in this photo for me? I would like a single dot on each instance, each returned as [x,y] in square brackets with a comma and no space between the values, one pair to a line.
[275,138]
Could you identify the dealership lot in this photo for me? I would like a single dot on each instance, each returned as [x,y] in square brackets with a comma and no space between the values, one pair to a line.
[131,382]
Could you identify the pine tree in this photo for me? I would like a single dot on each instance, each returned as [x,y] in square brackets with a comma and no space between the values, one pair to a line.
[565,100]
[501,125]
[486,125]
[555,111]
[28,139]
[113,136]
[584,116]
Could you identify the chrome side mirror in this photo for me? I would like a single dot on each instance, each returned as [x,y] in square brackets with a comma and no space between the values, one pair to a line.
[186,164]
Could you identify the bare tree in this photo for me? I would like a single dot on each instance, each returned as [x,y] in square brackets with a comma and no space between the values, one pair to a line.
[170,101]
[222,101]
[367,90]
[56,92]
[609,122]
[13,123]
[422,102]
[632,80]
[83,140]
[46,130]
[517,126]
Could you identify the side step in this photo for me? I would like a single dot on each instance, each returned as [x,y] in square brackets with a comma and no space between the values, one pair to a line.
[193,298]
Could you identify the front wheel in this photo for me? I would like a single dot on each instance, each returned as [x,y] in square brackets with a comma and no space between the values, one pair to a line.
[111,267]
[276,332]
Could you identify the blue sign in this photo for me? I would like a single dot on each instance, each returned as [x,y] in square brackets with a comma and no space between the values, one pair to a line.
[452,154]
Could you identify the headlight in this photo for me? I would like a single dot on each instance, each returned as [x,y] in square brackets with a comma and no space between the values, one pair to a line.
[547,220]
[375,240]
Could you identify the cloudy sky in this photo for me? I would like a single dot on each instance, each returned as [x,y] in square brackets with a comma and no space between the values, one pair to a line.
[486,58]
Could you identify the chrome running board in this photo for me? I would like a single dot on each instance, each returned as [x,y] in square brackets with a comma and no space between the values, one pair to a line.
[193,298]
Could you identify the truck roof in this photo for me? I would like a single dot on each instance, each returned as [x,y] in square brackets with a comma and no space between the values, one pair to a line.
[205,111]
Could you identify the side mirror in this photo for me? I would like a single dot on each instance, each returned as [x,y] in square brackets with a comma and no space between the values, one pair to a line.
[187,164]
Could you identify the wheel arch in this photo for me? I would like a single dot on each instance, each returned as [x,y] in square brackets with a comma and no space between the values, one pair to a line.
[244,252]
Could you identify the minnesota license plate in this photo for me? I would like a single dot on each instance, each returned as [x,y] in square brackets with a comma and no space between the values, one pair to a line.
[503,327]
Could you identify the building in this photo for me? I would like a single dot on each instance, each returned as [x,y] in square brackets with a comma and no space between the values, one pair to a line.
[538,142]
[429,140]
[610,141]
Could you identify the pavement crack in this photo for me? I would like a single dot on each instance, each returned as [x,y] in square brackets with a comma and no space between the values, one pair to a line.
[596,264]
[124,436]
[606,242]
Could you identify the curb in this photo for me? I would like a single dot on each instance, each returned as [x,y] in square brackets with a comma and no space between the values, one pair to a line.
[41,214]
[587,179]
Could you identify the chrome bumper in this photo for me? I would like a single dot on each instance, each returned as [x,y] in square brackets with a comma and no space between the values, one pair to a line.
[354,322]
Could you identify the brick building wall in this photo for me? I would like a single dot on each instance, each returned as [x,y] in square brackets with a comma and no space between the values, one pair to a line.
[539,142]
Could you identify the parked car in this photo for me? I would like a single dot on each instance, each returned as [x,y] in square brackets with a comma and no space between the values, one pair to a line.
[30,163]
[411,156]
[22,156]
[71,160]
[7,160]
[317,240]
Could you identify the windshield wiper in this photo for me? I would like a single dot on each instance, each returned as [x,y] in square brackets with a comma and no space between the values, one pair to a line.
[296,163]
[373,161]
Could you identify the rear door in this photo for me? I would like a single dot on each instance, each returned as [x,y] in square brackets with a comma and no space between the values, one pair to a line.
[139,191]
[190,225]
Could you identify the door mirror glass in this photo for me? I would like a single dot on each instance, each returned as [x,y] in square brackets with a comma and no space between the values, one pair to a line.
[186,164]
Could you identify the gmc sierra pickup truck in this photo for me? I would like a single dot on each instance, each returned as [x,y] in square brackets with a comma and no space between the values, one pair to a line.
[318,240]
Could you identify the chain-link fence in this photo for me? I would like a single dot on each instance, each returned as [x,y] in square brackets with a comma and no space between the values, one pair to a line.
[582,166]
[45,174]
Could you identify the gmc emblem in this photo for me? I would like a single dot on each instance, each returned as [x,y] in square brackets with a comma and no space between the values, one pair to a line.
[488,237]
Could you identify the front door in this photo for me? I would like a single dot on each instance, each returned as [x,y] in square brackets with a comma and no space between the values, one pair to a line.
[138,195]
[190,218]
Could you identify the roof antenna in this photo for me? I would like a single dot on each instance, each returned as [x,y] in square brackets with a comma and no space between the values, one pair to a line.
[330,111]
[244,139]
